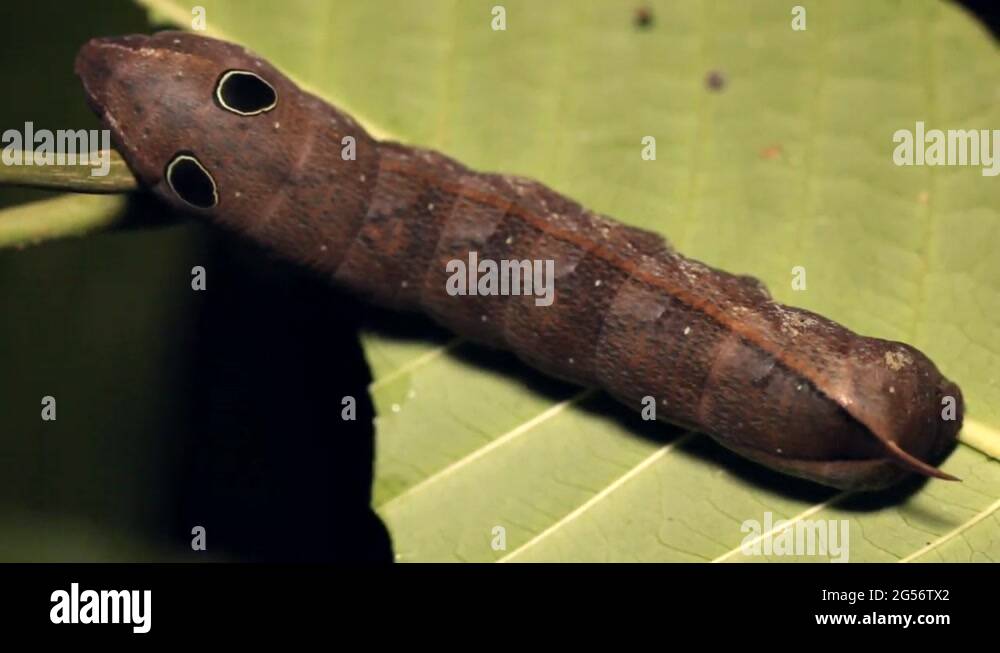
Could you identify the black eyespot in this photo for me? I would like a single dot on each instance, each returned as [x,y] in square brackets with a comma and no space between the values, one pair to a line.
[191,182]
[245,93]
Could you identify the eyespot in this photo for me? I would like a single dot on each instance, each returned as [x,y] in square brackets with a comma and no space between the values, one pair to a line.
[245,93]
[191,182]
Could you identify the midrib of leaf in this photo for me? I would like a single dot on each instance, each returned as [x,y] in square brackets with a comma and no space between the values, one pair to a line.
[981,437]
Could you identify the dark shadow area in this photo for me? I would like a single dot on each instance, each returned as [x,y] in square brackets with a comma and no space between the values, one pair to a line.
[986,11]
[399,326]
[145,212]
[270,468]
[875,501]
[704,448]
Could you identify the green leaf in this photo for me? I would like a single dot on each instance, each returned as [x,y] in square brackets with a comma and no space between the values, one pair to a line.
[788,164]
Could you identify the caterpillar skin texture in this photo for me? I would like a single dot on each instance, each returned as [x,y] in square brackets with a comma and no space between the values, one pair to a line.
[782,386]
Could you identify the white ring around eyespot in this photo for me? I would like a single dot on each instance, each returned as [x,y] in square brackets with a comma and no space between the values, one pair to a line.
[222,103]
[215,187]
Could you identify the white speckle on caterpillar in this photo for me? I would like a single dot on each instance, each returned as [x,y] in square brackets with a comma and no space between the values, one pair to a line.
[404,284]
[892,390]
[793,322]
[430,207]
[510,240]
[571,361]
[597,283]
[277,125]
[237,194]
[362,178]
[897,360]
[687,330]
[483,318]
[692,270]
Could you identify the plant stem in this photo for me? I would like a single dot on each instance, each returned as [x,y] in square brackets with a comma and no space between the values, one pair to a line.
[67,215]
[982,437]
[74,178]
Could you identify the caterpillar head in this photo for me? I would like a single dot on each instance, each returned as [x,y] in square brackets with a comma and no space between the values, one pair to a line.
[214,129]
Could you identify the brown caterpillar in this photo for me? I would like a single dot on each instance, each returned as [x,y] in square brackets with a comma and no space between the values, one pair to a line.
[213,129]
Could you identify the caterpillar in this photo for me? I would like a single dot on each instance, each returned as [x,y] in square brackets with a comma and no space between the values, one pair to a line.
[216,131]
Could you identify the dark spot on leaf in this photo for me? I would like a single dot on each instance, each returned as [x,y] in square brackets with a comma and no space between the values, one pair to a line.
[715,80]
[643,17]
